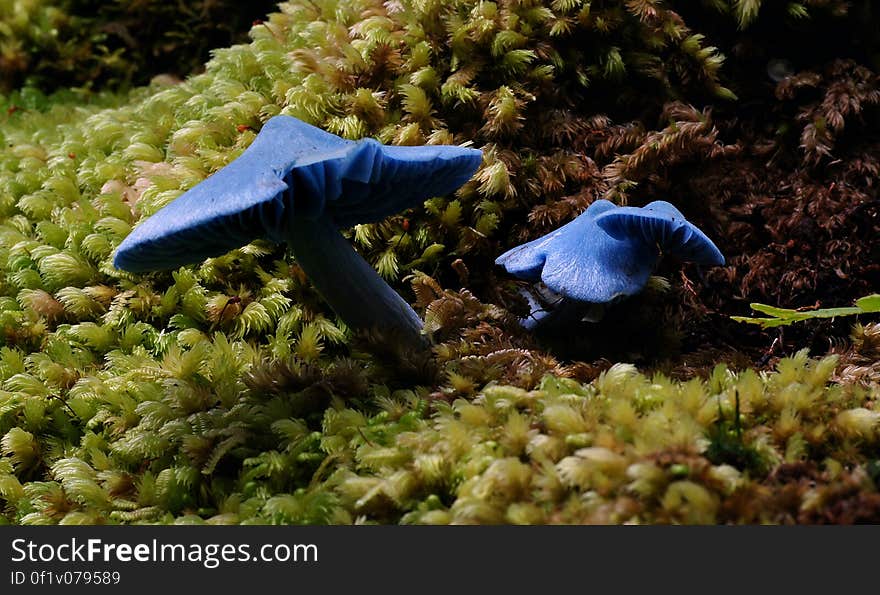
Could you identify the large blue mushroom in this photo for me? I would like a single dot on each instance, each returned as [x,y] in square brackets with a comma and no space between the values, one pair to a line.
[605,254]
[298,184]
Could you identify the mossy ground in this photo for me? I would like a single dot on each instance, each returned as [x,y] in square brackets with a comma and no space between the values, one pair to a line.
[55,44]
[229,393]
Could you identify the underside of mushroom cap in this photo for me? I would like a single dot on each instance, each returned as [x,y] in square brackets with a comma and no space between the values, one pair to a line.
[662,224]
[292,169]
[582,262]
[380,180]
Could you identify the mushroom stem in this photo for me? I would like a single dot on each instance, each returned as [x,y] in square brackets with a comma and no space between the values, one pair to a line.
[550,312]
[349,284]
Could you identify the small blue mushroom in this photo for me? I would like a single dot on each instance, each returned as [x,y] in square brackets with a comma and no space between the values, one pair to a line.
[298,184]
[603,255]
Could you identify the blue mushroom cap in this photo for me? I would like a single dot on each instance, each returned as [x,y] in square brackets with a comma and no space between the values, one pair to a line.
[608,251]
[662,224]
[581,262]
[292,169]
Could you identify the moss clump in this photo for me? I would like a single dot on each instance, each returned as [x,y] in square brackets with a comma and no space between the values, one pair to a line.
[52,44]
[625,448]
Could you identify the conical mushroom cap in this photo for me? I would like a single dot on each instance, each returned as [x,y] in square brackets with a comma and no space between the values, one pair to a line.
[292,169]
[662,224]
[582,262]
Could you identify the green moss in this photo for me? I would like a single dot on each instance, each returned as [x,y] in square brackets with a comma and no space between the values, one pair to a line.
[624,448]
[53,44]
